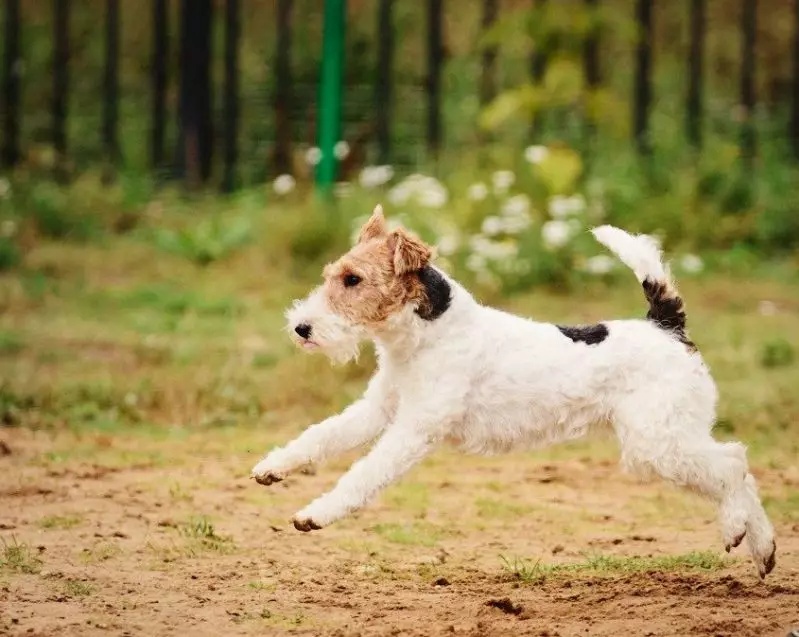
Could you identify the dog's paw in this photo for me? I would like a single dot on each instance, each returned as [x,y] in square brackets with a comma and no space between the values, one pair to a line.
[266,477]
[305,524]
[768,561]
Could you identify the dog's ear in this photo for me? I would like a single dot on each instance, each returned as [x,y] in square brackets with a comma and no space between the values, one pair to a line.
[374,228]
[410,253]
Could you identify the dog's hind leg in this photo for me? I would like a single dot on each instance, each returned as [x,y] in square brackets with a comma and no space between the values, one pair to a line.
[661,439]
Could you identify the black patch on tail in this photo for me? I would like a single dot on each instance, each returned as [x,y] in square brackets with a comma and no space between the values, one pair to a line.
[438,294]
[666,310]
[588,334]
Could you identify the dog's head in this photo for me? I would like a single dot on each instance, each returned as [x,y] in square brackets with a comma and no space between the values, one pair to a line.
[384,279]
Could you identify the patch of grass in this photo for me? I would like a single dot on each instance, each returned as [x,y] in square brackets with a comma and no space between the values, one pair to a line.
[785,507]
[203,531]
[413,497]
[100,552]
[19,557]
[208,241]
[11,343]
[777,352]
[418,534]
[535,572]
[76,588]
[60,521]
[177,493]
[268,587]
[500,509]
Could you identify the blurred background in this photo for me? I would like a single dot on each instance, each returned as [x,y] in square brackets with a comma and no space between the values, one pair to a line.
[174,173]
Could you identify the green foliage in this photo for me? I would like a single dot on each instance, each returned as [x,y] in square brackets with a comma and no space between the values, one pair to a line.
[536,572]
[777,352]
[203,531]
[207,241]
[10,254]
[18,557]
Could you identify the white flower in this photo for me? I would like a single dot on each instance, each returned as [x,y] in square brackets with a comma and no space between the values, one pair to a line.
[691,264]
[493,250]
[767,308]
[492,226]
[600,264]
[8,228]
[375,176]
[502,180]
[515,225]
[561,207]
[341,150]
[448,244]
[556,234]
[399,194]
[536,154]
[313,156]
[476,263]
[343,189]
[433,196]
[284,184]
[426,191]
[5,188]
[477,191]
[516,206]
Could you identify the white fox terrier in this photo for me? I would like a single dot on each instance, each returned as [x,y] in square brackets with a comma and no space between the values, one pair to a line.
[451,370]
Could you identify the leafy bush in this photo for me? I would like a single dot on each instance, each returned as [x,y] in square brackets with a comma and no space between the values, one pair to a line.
[208,241]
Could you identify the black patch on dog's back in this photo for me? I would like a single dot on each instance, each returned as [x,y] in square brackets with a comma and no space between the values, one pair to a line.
[438,294]
[588,334]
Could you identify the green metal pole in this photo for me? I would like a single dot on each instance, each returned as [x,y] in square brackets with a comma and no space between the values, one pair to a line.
[329,113]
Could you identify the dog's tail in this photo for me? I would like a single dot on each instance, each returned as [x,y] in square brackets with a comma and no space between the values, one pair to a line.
[642,255]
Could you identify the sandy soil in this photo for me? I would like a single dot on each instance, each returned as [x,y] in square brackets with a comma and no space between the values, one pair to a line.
[108,545]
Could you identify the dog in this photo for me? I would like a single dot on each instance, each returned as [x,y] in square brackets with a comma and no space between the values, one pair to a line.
[451,370]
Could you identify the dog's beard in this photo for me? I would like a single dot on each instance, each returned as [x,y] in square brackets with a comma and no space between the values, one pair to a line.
[331,335]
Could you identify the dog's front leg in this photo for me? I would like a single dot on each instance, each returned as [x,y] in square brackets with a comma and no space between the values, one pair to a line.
[407,441]
[359,423]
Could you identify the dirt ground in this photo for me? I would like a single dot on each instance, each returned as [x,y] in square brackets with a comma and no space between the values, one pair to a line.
[154,537]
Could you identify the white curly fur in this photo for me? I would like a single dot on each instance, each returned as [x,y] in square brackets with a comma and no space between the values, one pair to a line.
[487,381]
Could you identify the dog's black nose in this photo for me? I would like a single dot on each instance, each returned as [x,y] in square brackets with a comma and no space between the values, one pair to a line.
[304,330]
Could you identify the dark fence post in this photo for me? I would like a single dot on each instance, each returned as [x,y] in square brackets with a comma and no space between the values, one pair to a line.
[748,29]
[12,62]
[591,56]
[195,148]
[160,66]
[111,83]
[695,73]
[643,81]
[282,157]
[383,85]
[538,66]
[231,107]
[435,58]
[795,118]
[488,79]
[60,79]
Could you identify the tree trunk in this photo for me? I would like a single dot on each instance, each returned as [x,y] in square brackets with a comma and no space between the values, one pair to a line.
[195,147]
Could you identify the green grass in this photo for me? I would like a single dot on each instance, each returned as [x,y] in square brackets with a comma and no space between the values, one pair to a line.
[203,534]
[60,521]
[415,534]
[610,565]
[77,588]
[19,557]
[500,509]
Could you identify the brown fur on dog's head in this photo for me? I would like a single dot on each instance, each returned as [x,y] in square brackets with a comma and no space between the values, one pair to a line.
[379,275]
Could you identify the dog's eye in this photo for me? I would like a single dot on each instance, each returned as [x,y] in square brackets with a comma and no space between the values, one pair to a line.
[351,280]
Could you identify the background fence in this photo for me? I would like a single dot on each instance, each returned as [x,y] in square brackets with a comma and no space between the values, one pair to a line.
[225,92]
